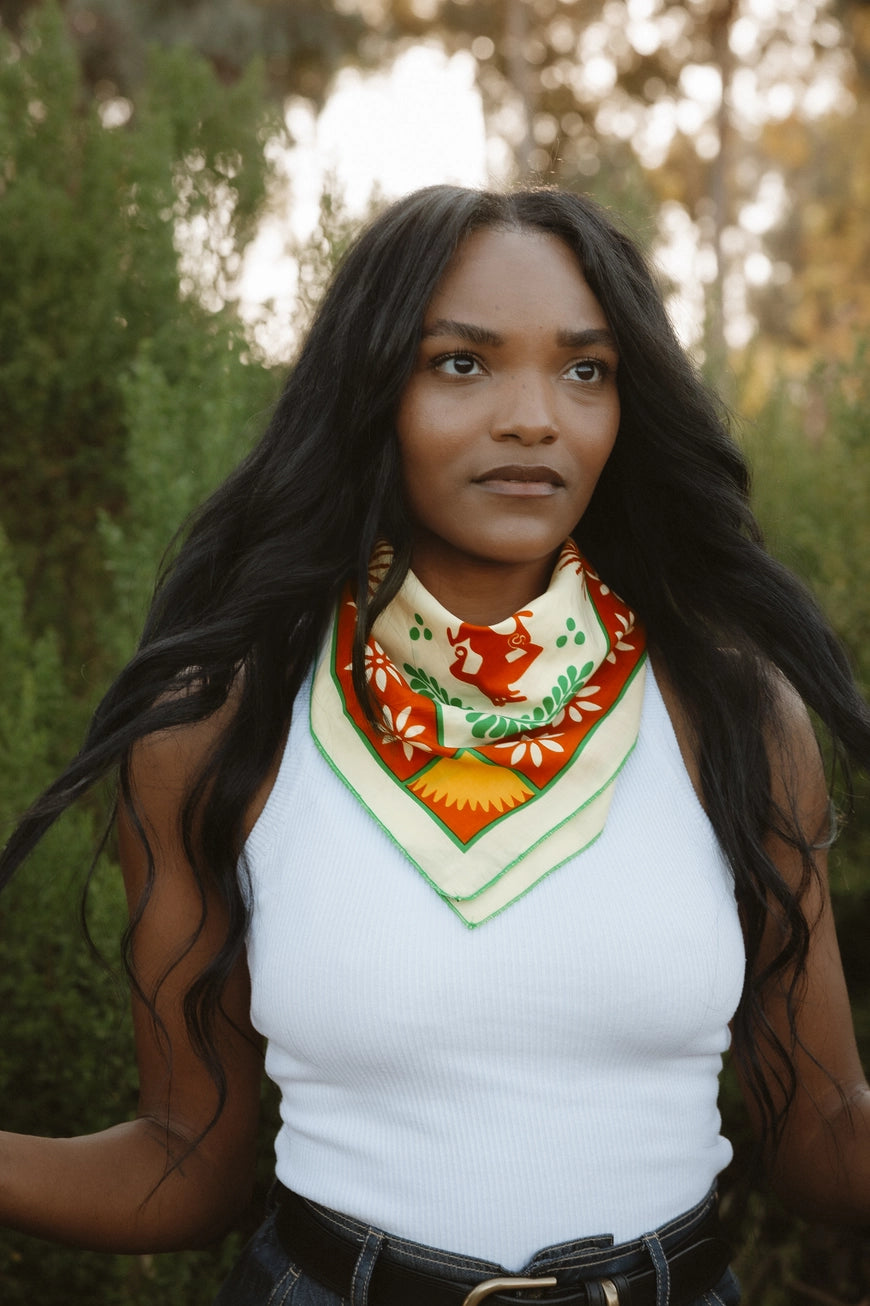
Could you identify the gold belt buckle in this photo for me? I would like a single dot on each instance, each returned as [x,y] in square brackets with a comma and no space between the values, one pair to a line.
[507,1284]
[489,1286]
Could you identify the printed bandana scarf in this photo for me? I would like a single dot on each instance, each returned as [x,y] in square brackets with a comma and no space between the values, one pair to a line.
[500,744]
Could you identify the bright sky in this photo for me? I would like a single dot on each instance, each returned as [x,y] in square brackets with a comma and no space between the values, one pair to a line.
[418,123]
[421,121]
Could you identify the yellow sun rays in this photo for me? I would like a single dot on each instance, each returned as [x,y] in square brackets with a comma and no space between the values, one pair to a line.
[465,781]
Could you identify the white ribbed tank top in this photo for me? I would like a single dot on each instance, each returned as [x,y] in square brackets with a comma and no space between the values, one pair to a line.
[549,1075]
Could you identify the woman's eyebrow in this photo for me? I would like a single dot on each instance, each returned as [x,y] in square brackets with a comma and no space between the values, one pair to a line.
[479,335]
[591,336]
[475,335]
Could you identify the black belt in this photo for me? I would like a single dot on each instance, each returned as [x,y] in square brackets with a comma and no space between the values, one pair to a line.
[330,1257]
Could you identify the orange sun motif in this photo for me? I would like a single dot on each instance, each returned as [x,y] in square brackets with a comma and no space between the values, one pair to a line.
[466,781]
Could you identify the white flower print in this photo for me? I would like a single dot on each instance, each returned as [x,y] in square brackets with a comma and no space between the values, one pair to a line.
[533,744]
[400,732]
[575,711]
[378,666]
[621,645]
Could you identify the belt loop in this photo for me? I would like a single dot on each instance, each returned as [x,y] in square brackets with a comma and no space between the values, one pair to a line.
[362,1272]
[663,1275]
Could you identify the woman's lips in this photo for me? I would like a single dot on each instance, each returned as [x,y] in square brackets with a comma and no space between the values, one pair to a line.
[518,479]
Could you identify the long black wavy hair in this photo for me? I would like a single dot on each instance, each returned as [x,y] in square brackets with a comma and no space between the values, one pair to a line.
[244,604]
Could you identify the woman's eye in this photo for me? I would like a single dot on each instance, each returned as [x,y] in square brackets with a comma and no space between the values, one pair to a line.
[589,369]
[457,365]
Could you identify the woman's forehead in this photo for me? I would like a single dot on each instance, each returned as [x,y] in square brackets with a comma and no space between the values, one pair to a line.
[508,272]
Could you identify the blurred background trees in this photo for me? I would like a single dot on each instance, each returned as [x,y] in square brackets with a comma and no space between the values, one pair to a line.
[140,149]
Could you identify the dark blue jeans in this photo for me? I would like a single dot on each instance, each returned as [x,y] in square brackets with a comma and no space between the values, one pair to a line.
[265,1276]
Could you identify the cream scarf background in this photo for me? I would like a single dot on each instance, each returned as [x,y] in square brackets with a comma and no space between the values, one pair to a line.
[500,745]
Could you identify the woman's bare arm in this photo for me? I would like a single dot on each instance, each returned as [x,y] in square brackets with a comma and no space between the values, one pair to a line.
[822,1166]
[117,1190]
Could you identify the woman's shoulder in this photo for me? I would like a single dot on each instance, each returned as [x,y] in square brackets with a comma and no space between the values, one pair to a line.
[681,722]
[796,769]
[165,764]
[798,784]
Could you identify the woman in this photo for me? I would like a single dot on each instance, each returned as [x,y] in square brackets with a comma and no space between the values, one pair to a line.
[380,681]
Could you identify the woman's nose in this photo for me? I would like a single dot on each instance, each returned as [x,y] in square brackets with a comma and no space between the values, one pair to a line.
[525,410]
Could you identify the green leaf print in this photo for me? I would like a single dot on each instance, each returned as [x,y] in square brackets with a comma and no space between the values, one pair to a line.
[420,628]
[422,683]
[578,635]
[492,725]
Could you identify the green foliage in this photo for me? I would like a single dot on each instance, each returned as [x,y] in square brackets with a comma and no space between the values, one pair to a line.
[32,705]
[811,465]
[301,41]
[809,453]
[124,401]
[184,437]
[89,218]
[216,134]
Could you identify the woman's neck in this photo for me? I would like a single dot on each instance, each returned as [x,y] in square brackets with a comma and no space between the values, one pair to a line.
[483,593]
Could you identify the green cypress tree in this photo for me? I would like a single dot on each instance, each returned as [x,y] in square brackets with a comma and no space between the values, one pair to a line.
[90,216]
[126,391]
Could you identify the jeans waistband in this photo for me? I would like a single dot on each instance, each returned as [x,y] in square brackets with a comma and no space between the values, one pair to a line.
[670,1266]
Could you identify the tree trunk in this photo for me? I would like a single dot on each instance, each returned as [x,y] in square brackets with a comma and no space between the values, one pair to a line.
[516,27]
[721,170]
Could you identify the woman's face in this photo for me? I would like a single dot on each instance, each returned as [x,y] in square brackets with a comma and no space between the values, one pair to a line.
[507,421]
